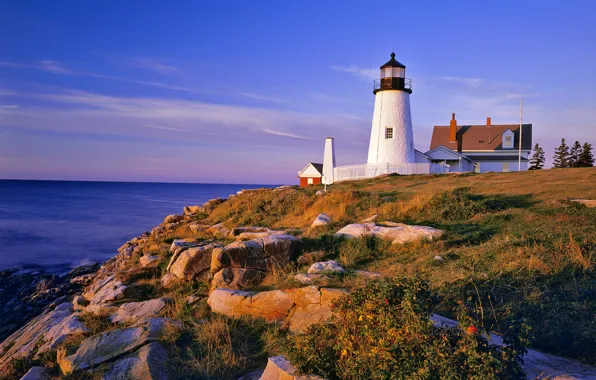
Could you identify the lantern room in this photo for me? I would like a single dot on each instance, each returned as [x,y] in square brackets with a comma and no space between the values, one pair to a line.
[393,77]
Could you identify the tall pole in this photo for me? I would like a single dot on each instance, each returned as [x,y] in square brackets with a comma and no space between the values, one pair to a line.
[521,107]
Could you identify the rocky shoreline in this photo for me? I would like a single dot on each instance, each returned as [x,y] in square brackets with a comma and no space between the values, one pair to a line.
[134,293]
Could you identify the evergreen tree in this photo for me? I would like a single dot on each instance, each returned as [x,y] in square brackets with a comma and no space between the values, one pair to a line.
[586,159]
[574,154]
[561,157]
[537,160]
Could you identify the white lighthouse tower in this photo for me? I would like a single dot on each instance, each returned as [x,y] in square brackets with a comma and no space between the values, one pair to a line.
[391,136]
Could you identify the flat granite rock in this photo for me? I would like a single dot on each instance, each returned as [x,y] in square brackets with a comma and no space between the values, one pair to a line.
[398,233]
[147,363]
[139,312]
[280,368]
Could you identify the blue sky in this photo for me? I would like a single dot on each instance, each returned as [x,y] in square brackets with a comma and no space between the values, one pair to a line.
[246,92]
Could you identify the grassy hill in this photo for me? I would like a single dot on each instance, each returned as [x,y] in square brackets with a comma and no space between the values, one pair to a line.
[516,247]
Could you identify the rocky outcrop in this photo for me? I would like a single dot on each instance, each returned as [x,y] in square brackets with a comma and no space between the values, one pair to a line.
[36,373]
[50,328]
[321,220]
[398,233]
[24,294]
[111,345]
[139,312]
[149,261]
[297,308]
[330,266]
[280,368]
[191,210]
[236,278]
[261,254]
[309,278]
[194,262]
[148,363]
[102,294]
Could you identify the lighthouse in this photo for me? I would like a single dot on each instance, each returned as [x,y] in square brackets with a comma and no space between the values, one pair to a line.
[391,136]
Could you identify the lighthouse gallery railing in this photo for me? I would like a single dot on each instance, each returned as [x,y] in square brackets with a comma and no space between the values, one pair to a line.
[363,171]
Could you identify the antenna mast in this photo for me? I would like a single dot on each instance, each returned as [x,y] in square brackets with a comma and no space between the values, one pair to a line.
[521,107]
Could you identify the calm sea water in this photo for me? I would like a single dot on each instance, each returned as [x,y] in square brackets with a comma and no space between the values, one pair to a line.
[61,224]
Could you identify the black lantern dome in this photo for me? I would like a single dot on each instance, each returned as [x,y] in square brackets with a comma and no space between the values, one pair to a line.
[393,77]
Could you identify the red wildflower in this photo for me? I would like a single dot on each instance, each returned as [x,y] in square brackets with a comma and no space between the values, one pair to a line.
[386,302]
[471,330]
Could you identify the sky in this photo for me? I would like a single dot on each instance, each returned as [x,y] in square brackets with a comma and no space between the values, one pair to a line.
[247,91]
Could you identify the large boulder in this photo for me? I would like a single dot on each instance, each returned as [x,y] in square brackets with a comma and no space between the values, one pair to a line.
[280,368]
[139,312]
[297,308]
[262,254]
[236,278]
[192,262]
[147,363]
[191,210]
[104,292]
[51,327]
[398,233]
[149,261]
[37,373]
[219,230]
[106,347]
[321,220]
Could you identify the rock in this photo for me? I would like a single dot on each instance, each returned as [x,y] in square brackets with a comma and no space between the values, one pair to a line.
[370,219]
[179,245]
[191,210]
[193,262]
[321,220]
[105,291]
[198,227]
[297,308]
[110,345]
[438,258]
[169,280]
[253,375]
[147,363]
[367,275]
[211,204]
[311,258]
[58,333]
[236,278]
[36,373]
[79,303]
[280,368]
[250,233]
[51,325]
[219,231]
[586,202]
[146,261]
[262,254]
[320,192]
[139,312]
[398,233]
[173,218]
[330,266]
[90,267]
[308,278]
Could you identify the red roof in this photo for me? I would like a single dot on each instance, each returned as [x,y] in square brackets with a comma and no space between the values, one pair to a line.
[481,137]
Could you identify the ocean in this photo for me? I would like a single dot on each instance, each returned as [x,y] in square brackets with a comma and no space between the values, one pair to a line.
[58,225]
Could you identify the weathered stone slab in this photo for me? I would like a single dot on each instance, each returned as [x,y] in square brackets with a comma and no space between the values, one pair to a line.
[36,373]
[321,220]
[219,230]
[192,262]
[139,312]
[398,233]
[236,278]
[330,266]
[147,260]
[280,368]
[147,363]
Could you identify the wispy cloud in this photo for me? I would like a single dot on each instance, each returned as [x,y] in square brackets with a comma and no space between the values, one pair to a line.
[8,106]
[285,134]
[470,82]
[153,65]
[165,128]
[357,71]
[262,97]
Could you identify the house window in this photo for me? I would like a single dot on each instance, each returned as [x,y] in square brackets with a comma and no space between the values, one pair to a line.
[389,132]
[508,141]
[310,181]
[476,167]
[481,141]
[505,166]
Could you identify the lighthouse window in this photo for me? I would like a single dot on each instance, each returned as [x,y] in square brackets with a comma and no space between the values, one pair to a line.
[388,133]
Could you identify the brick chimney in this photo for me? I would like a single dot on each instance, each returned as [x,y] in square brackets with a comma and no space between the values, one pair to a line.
[453,129]
[488,122]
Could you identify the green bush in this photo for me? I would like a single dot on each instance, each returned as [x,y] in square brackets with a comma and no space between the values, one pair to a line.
[459,205]
[383,330]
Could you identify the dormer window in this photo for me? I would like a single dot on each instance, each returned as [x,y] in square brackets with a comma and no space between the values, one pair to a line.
[507,139]
[389,132]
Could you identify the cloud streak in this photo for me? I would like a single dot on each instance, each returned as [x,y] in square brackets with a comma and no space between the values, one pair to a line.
[356,71]
[469,82]
[285,134]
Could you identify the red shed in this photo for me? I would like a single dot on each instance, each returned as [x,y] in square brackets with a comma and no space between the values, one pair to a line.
[311,174]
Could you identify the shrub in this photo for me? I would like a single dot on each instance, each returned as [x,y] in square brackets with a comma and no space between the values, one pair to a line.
[361,250]
[383,330]
[458,205]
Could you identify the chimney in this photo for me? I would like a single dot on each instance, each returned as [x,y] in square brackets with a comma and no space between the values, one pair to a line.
[488,122]
[329,160]
[453,129]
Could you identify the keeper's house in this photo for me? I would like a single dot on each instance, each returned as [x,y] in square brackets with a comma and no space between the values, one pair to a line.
[311,174]
[480,148]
